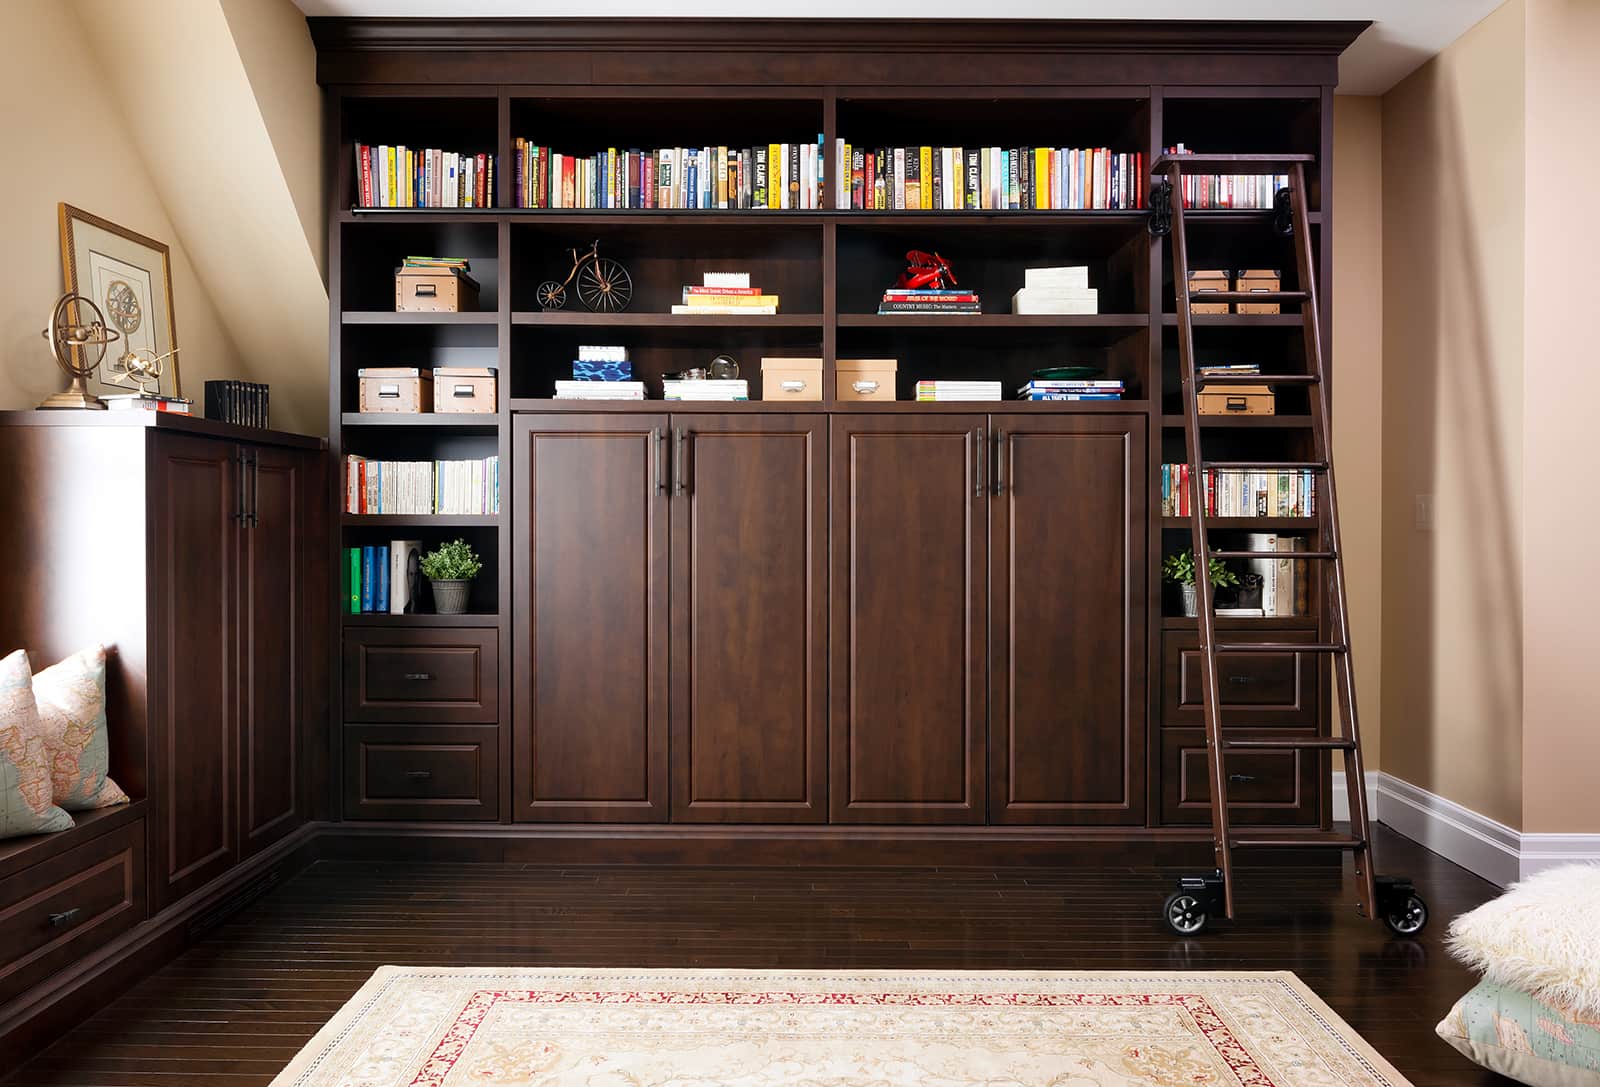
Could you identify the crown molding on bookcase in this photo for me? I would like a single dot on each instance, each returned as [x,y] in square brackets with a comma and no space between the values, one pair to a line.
[1476,842]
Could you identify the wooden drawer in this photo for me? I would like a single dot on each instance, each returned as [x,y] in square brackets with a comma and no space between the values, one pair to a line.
[1257,690]
[422,772]
[1265,788]
[67,905]
[446,676]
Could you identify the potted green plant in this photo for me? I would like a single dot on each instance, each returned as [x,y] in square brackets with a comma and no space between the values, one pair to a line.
[1180,568]
[450,569]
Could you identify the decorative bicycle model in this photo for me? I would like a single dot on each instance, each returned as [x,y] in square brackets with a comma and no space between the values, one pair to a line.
[602,284]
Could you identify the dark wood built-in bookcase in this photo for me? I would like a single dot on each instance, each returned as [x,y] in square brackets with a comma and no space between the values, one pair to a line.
[850,616]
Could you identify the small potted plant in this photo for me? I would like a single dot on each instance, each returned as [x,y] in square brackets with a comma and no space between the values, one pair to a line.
[450,569]
[1180,568]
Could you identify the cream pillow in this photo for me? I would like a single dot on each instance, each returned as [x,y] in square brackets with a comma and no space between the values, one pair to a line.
[72,718]
[25,806]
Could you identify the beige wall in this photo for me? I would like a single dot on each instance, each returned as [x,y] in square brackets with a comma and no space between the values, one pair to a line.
[1561,386]
[1453,323]
[68,139]
[1358,390]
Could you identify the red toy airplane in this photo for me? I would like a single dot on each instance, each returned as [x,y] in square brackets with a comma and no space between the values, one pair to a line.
[926,271]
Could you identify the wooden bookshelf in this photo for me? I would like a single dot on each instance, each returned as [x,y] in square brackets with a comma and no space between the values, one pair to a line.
[580,85]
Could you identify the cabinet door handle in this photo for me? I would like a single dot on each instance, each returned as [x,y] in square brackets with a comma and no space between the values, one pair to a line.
[1241,779]
[999,461]
[65,917]
[659,438]
[418,677]
[679,470]
[979,480]
[255,488]
[238,485]
[419,775]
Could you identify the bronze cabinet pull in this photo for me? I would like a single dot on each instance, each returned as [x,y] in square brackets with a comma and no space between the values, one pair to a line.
[419,775]
[65,917]
[979,480]
[678,485]
[659,455]
[999,461]
[419,676]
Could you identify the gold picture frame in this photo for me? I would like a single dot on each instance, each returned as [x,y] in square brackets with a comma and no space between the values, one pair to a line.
[129,276]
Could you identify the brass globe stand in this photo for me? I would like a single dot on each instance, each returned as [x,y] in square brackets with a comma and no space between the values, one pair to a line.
[71,342]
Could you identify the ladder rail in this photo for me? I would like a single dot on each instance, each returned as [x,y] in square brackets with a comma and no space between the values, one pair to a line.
[1200,544]
[1328,522]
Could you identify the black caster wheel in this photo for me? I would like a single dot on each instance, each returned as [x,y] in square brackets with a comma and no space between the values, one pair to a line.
[1185,913]
[1406,916]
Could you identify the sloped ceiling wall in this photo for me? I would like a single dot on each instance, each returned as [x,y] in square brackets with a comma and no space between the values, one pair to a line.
[220,100]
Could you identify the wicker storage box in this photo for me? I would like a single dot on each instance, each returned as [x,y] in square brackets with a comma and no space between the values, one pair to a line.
[434,290]
[866,379]
[791,379]
[1238,400]
[404,390]
[464,389]
[1202,280]
[1258,279]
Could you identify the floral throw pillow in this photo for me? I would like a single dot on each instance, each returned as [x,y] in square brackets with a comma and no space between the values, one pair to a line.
[72,718]
[25,806]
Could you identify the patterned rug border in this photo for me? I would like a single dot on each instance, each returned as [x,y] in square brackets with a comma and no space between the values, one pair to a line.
[326,1039]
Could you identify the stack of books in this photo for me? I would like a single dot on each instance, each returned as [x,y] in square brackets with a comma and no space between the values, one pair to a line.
[1233,492]
[599,390]
[1246,369]
[1229,190]
[1063,389]
[726,293]
[422,487]
[910,300]
[1283,580]
[773,176]
[243,403]
[934,391]
[602,362]
[987,178]
[177,405]
[1056,290]
[403,177]
[383,578]
[724,389]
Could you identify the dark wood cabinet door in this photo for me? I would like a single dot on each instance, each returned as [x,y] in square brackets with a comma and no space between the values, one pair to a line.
[749,617]
[1067,619]
[195,504]
[908,618]
[272,602]
[590,689]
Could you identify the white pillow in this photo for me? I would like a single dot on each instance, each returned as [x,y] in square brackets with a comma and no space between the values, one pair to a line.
[1542,936]
[25,806]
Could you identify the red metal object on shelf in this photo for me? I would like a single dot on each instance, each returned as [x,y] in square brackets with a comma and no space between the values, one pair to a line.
[926,271]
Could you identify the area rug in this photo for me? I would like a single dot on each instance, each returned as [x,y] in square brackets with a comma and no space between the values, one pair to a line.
[415,1027]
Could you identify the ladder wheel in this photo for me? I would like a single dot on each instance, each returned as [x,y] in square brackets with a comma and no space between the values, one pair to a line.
[1407,916]
[1184,913]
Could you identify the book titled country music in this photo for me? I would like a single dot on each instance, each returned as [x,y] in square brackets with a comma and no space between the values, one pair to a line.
[908,300]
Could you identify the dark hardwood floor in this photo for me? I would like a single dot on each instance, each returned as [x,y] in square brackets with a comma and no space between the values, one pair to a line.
[235,1007]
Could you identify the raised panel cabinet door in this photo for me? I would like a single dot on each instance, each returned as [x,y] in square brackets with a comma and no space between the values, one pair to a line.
[749,619]
[272,599]
[196,506]
[1067,620]
[589,740]
[908,618]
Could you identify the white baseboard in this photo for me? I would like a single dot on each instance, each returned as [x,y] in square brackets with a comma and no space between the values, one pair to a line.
[1477,843]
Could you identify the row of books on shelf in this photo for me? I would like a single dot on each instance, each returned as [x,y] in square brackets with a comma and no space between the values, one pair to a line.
[404,177]
[988,178]
[727,294]
[774,176]
[422,487]
[1248,191]
[1231,492]
[383,578]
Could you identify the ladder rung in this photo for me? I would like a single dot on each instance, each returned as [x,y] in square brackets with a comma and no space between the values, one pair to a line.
[1285,647]
[1287,743]
[1183,162]
[1304,839]
[1274,554]
[1257,379]
[1267,465]
[1206,297]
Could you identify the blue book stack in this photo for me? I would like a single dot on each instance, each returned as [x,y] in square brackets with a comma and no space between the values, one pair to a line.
[1039,389]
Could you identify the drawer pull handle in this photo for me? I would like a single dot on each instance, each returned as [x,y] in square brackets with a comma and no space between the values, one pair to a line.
[464,390]
[427,290]
[388,392]
[1242,679]
[862,388]
[419,676]
[793,386]
[419,775]
[65,917]
[1241,779]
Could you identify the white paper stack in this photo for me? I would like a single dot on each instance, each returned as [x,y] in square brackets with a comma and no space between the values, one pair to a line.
[707,389]
[935,391]
[1056,290]
[599,390]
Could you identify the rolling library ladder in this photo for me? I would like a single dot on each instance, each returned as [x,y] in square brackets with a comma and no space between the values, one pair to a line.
[1200,898]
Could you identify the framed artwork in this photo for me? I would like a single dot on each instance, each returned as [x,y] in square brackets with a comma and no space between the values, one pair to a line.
[129,276]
